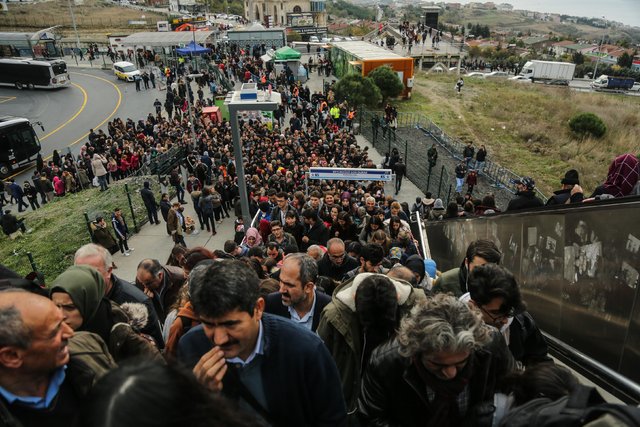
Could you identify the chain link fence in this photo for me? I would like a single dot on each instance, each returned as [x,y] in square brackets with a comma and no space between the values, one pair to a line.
[414,136]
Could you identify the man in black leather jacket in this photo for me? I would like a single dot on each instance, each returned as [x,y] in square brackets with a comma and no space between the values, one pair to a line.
[442,368]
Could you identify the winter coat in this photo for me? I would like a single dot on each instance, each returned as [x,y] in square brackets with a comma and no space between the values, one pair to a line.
[524,200]
[97,165]
[342,333]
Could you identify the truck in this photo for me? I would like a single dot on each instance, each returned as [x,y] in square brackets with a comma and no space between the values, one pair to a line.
[612,83]
[549,72]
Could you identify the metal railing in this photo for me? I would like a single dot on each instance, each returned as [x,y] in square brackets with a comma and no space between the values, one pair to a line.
[434,181]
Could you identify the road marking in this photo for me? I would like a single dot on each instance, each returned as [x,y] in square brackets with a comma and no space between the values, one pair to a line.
[109,116]
[9,98]
[82,107]
[95,127]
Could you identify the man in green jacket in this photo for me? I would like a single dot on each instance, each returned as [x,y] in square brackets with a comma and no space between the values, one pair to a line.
[479,252]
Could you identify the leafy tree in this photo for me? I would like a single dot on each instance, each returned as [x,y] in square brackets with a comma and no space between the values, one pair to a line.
[294,36]
[578,58]
[625,60]
[358,90]
[475,52]
[585,124]
[387,81]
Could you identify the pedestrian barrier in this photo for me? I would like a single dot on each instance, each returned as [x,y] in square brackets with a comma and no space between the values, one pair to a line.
[434,181]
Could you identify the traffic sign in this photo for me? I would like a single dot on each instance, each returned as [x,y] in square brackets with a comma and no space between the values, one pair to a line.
[351,174]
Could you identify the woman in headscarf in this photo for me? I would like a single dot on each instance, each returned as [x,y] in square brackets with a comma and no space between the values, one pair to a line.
[251,239]
[621,178]
[79,292]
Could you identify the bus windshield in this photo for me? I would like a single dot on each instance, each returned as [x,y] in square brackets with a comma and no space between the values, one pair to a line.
[59,68]
[19,145]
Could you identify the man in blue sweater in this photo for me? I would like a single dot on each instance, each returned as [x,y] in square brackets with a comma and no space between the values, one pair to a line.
[274,368]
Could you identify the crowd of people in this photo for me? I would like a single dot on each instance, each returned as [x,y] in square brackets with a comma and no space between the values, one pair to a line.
[323,312]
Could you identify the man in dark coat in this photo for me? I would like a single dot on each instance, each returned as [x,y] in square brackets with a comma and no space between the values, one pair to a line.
[150,203]
[161,283]
[427,375]
[281,372]
[571,192]
[336,262]
[316,233]
[525,195]
[298,298]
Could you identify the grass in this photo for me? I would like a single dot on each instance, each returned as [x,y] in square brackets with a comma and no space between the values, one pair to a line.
[524,127]
[92,17]
[59,227]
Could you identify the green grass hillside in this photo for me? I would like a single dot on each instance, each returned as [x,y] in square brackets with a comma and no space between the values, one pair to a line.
[524,126]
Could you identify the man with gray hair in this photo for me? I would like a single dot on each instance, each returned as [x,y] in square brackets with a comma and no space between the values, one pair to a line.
[298,298]
[441,369]
[119,290]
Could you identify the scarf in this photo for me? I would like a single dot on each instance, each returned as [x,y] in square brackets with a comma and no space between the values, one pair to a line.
[444,410]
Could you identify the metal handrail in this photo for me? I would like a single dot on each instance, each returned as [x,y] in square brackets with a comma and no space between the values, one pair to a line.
[606,378]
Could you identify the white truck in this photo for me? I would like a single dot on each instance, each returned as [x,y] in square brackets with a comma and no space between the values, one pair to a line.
[549,72]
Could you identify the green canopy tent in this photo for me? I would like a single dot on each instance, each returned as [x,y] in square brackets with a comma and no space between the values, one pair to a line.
[286,53]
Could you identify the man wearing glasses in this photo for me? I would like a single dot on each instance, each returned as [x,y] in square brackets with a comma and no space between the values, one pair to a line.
[495,292]
[336,262]
[440,370]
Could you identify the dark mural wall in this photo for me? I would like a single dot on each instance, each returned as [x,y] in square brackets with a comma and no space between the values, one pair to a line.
[578,269]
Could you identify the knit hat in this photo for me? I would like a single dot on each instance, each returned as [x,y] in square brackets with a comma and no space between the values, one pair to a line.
[527,181]
[571,177]
[395,253]
[438,204]
[430,267]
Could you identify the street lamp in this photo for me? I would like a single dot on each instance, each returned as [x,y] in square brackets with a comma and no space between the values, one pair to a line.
[75,29]
[247,99]
[595,70]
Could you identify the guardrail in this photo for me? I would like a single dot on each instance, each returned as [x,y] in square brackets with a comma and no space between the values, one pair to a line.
[619,386]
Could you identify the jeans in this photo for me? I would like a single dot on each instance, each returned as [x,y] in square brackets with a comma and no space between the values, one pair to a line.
[152,213]
[102,180]
[179,193]
[459,184]
[479,166]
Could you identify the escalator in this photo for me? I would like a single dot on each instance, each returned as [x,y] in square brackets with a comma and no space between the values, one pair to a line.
[578,269]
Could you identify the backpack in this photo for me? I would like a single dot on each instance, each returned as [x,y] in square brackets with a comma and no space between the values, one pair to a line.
[583,407]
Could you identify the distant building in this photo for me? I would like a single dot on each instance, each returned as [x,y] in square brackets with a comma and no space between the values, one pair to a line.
[504,7]
[560,47]
[636,63]
[290,13]
[608,53]
[536,42]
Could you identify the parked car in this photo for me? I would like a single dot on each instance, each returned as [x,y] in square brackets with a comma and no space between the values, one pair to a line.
[496,74]
[125,71]
[314,39]
[520,79]
[476,74]
[325,40]
[455,70]
[636,87]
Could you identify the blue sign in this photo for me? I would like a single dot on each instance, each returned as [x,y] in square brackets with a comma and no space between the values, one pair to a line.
[351,174]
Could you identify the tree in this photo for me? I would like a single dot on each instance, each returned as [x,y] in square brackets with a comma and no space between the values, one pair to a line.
[585,124]
[578,58]
[294,36]
[358,90]
[625,60]
[387,81]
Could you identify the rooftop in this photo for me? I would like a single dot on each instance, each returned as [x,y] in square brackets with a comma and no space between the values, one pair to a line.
[366,50]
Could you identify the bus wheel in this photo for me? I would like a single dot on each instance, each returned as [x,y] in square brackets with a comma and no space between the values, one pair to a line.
[4,170]
[30,86]
[19,86]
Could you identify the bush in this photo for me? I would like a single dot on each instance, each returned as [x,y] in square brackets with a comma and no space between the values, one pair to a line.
[585,124]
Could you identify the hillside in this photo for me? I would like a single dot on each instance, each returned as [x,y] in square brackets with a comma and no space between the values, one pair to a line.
[525,126]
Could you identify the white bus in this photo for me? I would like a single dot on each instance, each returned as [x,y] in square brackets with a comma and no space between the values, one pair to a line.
[33,73]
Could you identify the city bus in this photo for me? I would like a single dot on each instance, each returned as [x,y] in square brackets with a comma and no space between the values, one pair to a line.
[33,73]
[19,144]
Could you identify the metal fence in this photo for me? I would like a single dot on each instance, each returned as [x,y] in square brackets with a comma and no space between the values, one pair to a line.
[416,153]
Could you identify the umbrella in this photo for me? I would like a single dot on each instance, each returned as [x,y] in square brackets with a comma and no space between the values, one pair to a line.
[193,48]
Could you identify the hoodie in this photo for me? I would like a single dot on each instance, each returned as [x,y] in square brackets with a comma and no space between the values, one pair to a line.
[340,330]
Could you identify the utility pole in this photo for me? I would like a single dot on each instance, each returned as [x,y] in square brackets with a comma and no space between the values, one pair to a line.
[75,29]
[595,70]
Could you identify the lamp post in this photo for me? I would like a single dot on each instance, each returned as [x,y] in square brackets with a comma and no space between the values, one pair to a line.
[247,99]
[75,29]
[595,70]
[193,132]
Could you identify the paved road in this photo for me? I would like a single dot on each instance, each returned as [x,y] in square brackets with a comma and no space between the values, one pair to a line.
[94,97]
